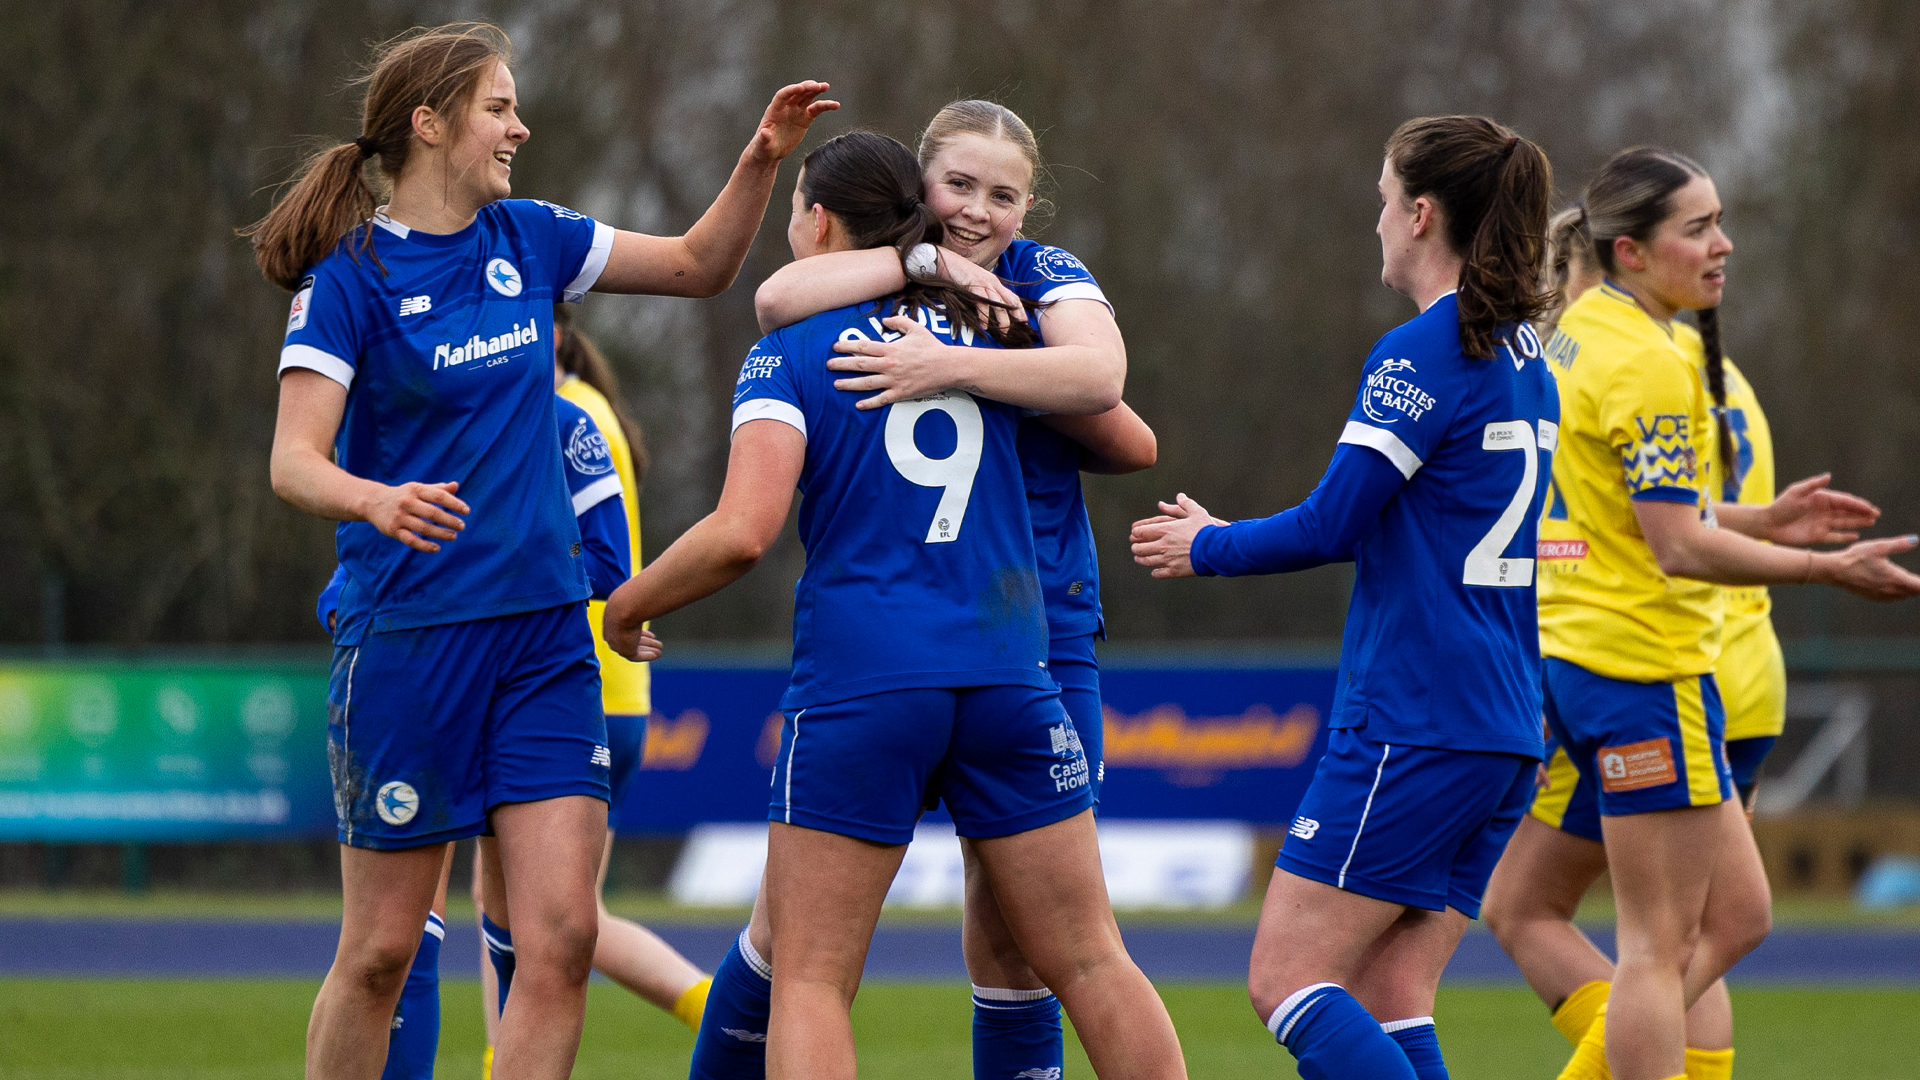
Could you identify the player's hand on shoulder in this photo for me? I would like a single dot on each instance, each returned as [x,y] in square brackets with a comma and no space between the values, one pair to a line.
[1810,512]
[1867,569]
[793,109]
[914,365]
[1164,544]
[417,514]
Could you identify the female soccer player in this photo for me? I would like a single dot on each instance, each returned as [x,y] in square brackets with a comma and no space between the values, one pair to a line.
[980,163]
[625,952]
[919,650]
[1433,492]
[1632,631]
[419,358]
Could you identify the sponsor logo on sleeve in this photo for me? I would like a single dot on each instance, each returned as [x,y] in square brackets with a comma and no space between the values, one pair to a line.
[1391,397]
[1661,454]
[1057,265]
[1637,765]
[504,279]
[759,366]
[302,304]
[562,212]
[587,450]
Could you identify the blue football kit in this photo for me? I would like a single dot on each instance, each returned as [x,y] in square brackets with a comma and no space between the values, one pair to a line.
[463,678]
[1434,493]
[920,637]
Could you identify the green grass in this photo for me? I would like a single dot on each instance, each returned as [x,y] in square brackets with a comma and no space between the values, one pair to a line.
[69,1029]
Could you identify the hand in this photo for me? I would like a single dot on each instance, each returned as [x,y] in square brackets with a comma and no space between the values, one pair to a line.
[417,514]
[914,365]
[1811,513]
[1165,543]
[1867,570]
[626,636]
[1001,306]
[788,116]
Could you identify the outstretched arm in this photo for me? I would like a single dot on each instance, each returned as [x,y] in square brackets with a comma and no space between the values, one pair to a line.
[1808,512]
[706,259]
[1686,547]
[762,470]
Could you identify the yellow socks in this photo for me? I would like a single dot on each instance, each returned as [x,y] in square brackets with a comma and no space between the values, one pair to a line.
[693,1003]
[486,1064]
[1589,1061]
[1575,1015]
[1709,1064]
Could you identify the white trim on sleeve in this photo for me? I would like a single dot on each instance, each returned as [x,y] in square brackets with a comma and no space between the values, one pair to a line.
[595,265]
[769,409]
[306,356]
[1386,442]
[595,493]
[1076,290]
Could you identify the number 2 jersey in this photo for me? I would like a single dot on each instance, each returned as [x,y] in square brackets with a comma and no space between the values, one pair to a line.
[920,558]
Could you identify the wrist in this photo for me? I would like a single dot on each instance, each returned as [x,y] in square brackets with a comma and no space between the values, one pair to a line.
[1821,568]
[922,263]
[1196,557]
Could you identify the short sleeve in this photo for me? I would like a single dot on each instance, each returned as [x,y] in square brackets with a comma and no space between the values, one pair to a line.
[1401,411]
[591,477]
[1647,411]
[1039,274]
[578,250]
[323,328]
[769,388]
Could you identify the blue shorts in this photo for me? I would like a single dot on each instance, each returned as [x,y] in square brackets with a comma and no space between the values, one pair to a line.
[1565,800]
[429,729]
[1642,747]
[1005,758]
[1076,670]
[627,739]
[1413,825]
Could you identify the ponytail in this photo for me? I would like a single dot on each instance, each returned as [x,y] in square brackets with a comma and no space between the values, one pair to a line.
[438,68]
[1495,189]
[579,356]
[871,183]
[1709,320]
[1569,247]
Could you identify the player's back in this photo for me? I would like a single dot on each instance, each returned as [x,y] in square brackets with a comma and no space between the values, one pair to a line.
[920,564]
[1442,640]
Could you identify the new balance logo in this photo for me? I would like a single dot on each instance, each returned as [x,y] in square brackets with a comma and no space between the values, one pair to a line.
[1051,1072]
[601,756]
[746,1036]
[414,305]
[1304,828]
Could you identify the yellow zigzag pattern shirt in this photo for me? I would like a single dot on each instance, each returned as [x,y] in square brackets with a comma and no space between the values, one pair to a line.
[1634,425]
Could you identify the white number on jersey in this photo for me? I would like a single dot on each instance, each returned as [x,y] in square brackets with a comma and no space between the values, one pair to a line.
[954,473]
[1485,564]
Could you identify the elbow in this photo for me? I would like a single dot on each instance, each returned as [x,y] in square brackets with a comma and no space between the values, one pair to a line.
[746,545]
[769,301]
[281,475]
[1146,453]
[1675,560]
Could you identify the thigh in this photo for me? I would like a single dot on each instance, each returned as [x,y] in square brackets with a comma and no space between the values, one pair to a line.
[1052,893]
[627,746]
[1544,872]
[386,895]
[823,893]
[546,732]
[1400,974]
[1076,670]
[405,716]
[1644,747]
[862,767]
[1312,932]
[549,861]
[1662,864]
[1015,763]
[1390,821]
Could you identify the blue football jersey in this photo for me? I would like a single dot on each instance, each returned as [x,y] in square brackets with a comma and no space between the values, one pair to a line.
[920,567]
[445,346]
[1442,642]
[1062,535]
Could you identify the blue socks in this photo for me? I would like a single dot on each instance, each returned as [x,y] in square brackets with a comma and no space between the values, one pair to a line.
[1016,1035]
[1334,1038]
[1421,1044]
[416,1021]
[732,1043]
[500,953]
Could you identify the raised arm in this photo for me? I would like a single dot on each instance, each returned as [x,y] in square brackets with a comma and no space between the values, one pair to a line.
[838,279]
[303,472]
[705,260]
[1079,372]
[762,469]
[1684,546]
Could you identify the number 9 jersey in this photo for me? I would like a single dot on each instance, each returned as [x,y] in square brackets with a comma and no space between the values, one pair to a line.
[920,562]
[1442,642]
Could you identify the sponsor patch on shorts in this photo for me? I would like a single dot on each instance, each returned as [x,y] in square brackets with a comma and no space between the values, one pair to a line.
[1633,766]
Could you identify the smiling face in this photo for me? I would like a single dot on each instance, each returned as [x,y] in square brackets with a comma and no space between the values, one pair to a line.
[1683,265]
[981,188]
[485,138]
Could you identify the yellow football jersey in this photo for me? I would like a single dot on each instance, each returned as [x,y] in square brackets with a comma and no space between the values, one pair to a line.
[625,687]
[1633,423]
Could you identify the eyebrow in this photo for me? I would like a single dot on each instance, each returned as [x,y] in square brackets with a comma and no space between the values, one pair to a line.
[501,100]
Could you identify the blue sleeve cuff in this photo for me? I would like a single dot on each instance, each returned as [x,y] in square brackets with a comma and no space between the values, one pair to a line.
[1668,494]
[1196,555]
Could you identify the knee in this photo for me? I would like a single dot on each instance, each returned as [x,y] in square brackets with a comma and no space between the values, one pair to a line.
[1265,991]
[379,967]
[1742,932]
[564,947]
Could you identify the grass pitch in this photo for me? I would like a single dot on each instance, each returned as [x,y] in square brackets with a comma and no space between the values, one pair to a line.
[109,1029]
